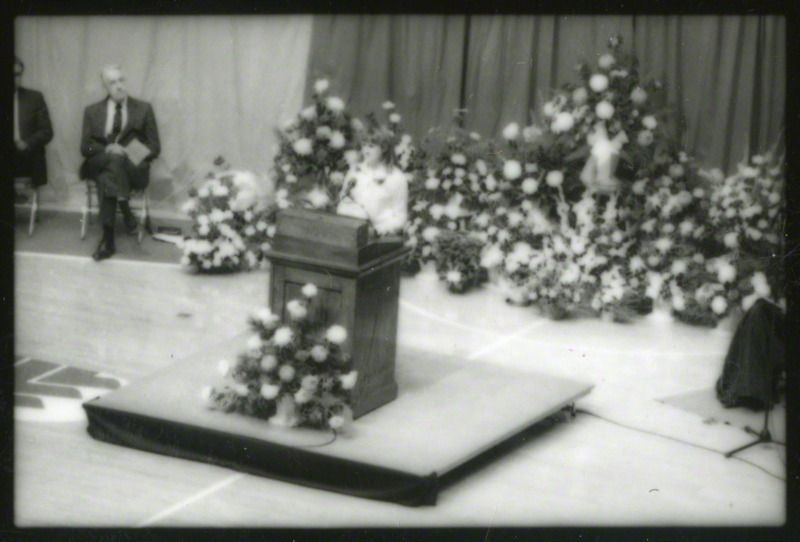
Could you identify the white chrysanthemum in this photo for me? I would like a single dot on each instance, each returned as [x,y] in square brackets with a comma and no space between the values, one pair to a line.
[731,239]
[725,272]
[395,118]
[349,380]
[309,382]
[675,171]
[310,290]
[269,391]
[239,388]
[679,267]
[431,183]
[436,211]
[638,95]
[644,138]
[337,140]
[598,82]
[254,342]
[319,353]
[296,310]
[529,185]
[563,122]
[336,334]
[512,170]
[606,61]
[430,234]
[303,146]
[719,305]
[224,367]
[580,95]
[387,105]
[492,256]
[335,104]
[283,336]
[555,178]
[649,122]
[491,183]
[663,244]
[604,110]
[268,362]
[309,113]
[321,85]
[286,372]
[318,198]
[453,276]
[458,159]
[511,131]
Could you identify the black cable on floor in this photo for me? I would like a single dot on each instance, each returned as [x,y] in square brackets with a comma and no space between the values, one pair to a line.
[759,467]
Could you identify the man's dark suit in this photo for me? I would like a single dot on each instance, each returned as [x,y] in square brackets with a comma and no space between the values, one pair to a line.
[100,166]
[35,130]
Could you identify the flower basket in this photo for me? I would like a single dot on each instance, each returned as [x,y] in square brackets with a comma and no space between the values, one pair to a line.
[458,261]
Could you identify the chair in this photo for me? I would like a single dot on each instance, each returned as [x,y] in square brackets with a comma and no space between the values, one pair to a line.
[27,184]
[92,206]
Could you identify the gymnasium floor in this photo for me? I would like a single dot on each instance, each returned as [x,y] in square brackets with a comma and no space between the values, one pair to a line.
[630,459]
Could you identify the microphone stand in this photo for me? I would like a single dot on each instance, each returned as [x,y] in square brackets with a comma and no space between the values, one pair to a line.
[764,436]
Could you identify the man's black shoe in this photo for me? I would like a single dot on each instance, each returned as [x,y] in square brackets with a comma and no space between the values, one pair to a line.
[103,252]
[131,225]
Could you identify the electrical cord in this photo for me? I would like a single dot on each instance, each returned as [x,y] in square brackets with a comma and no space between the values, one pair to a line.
[759,467]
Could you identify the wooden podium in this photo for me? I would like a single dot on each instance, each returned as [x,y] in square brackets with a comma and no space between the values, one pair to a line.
[359,285]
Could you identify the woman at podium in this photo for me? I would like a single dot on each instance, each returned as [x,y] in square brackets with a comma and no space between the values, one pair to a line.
[375,189]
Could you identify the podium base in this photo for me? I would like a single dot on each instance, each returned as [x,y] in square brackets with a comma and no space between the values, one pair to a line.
[447,414]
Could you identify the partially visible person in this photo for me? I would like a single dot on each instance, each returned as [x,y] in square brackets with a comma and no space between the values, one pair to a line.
[114,130]
[375,188]
[32,131]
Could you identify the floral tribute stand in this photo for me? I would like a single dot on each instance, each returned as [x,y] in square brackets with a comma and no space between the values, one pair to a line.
[359,286]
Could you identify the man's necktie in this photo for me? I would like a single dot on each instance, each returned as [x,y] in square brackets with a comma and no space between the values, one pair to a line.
[116,128]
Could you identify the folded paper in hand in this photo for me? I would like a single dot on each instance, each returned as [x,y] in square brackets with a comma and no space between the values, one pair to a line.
[136,151]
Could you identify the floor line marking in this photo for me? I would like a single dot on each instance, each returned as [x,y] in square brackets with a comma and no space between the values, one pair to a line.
[23,360]
[88,258]
[189,500]
[419,310]
[506,339]
[35,379]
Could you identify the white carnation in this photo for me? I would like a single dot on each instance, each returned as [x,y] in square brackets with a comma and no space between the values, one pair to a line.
[598,82]
[512,170]
[303,146]
[563,122]
[336,334]
[604,110]
[511,131]
[321,85]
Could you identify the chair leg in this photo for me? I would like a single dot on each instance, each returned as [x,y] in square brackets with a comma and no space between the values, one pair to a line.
[145,221]
[34,211]
[86,212]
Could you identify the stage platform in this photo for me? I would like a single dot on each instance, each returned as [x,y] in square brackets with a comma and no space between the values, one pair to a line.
[449,411]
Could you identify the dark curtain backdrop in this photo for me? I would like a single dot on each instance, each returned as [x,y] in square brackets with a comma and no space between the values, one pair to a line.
[724,76]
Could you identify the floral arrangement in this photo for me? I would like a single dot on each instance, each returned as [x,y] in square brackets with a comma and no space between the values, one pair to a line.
[315,151]
[457,260]
[741,257]
[452,185]
[230,231]
[293,373]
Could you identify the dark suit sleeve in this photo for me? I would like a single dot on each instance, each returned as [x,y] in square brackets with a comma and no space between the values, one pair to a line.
[90,144]
[151,134]
[43,133]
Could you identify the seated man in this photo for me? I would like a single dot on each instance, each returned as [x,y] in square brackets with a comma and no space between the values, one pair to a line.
[109,130]
[32,130]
